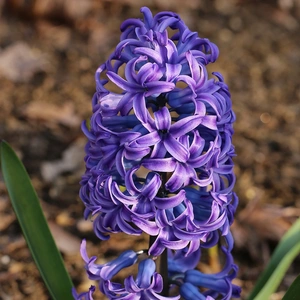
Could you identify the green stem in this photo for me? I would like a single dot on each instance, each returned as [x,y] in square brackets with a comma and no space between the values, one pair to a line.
[162,260]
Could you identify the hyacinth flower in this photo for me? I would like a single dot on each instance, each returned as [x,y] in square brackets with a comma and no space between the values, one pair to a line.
[159,161]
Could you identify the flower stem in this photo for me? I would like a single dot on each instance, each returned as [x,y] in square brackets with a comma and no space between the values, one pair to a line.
[162,267]
[162,260]
[163,270]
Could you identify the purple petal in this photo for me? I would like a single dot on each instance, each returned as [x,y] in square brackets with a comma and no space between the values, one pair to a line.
[140,109]
[146,270]
[194,66]
[149,72]
[126,259]
[162,119]
[190,292]
[216,224]
[145,225]
[87,132]
[159,150]
[146,140]
[123,84]
[203,182]
[189,81]
[156,248]
[185,125]
[201,160]
[193,248]
[131,22]
[176,149]
[181,176]
[161,219]
[125,104]
[120,162]
[126,227]
[211,281]
[210,122]
[197,145]
[172,52]
[175,245]
[211,100]
[148,18]
[169,202]
[131,287]
[151,188]
[160,164]
[150,53]
[158,87]
[129,182]
[136,153]
[181,262]
[172,71]
[130,73]
[109,103]
[187,236]
[116,193]
[200,108]
[83,251]
[85,295]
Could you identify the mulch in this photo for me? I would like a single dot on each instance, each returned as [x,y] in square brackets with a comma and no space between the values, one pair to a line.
[49,51]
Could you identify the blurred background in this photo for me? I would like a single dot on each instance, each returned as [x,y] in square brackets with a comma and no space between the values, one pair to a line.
[49,51]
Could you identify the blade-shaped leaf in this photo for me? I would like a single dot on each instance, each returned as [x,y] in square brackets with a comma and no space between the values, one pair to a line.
[284,254]
[294,290]
[34,226]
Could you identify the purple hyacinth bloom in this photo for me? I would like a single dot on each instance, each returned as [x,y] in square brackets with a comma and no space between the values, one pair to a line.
[181,134]
[108,270]
[146,286]
[159,156]
[197,285]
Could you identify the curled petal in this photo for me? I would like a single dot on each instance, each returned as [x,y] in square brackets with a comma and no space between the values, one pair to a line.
[175,148]
[147,226]
[123,84]
[147,140]
[126,259]
[149,53]
[140,109]
[158,87]
[182,176]
[160,165]
[185,125]
[162,119]
[172,71]
[170,202]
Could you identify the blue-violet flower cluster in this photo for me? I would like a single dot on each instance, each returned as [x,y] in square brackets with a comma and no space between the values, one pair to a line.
[159,161]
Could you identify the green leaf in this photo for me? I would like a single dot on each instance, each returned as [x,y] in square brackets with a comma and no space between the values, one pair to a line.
[284,254]
[34,225]
[294,290]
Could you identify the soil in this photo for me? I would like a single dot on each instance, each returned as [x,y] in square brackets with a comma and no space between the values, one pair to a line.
[49,51]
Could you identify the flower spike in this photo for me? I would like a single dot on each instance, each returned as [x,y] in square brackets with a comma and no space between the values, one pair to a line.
[159,161]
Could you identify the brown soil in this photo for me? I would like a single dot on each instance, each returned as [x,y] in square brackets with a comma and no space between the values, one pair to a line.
[49,51]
